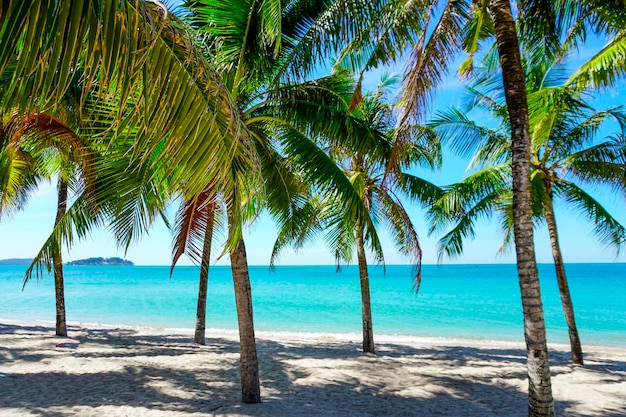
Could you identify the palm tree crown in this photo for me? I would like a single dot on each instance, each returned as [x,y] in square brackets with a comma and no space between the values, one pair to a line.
[566,156]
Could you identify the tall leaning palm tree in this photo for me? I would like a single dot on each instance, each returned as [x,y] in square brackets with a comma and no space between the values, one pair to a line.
[565,156]
[461,25]
[380,177]
[540,402]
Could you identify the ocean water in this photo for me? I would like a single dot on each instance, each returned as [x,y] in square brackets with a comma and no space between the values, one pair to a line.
[454,301]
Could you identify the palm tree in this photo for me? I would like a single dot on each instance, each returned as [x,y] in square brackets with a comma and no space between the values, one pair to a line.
[153,85]
[263,51]
[213,142]
[540,401]
[379,176]
[48,144]
[458,27]
[461,27]
[193,235]
[563,155]
[71,154]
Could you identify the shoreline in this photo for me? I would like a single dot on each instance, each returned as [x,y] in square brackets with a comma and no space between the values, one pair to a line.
[309,336]
[452,306]
[158,373]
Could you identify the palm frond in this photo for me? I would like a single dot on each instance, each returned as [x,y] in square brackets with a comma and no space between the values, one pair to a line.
[538,26]
[478,29]
[190,225]
[38,133]
[605,68]
[382,40]
[606,228]
[299,228]
[245,35]
[457,198]
[133,199]
[19,178]
[418,189]
[315,29]
[583,130]
[76,224]
[489,100]
[320,171]
[466,138]
[161,85]
[319,109]
[415,145]
[403,232]
[429,59]
[463,219]
[603,163]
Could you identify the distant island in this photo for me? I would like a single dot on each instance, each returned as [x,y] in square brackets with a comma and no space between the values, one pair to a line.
[16,261]
[100,262]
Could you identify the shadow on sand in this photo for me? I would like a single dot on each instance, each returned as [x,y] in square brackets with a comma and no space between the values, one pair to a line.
[166,373]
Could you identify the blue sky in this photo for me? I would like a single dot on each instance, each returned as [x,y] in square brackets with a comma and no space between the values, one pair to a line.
[23,235]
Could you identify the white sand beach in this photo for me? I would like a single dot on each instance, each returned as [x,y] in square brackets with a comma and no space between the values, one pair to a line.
[141,372]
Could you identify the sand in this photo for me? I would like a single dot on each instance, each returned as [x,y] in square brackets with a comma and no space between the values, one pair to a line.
[147,372]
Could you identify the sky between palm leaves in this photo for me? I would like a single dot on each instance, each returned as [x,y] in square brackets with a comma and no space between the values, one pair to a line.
[23,235]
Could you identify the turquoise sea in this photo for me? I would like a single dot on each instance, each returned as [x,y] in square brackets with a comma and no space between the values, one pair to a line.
[455,301]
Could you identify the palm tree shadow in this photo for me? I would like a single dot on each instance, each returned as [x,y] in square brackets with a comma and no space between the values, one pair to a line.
[166,373]
[448,392]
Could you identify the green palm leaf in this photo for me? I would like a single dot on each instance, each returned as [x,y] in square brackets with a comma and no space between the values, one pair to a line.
[299,228]
[79,220]
[605,68]
[601,164]
[403,232]
[606,228]
[159,83]
[18,180]
[430,57]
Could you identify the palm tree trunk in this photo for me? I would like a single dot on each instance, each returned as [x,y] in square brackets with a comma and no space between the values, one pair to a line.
[248,362]
[199,337]
[540,401]
[366,307]
[57,261]
[566,298]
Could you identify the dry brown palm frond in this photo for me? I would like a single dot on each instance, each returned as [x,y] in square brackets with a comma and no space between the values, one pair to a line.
[191,224]
[43,131]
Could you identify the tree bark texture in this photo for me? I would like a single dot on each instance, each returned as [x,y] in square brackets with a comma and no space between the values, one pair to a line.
[566,298]
[199,337]
[540,400]
[57,262]
[366,307]
[249,362]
